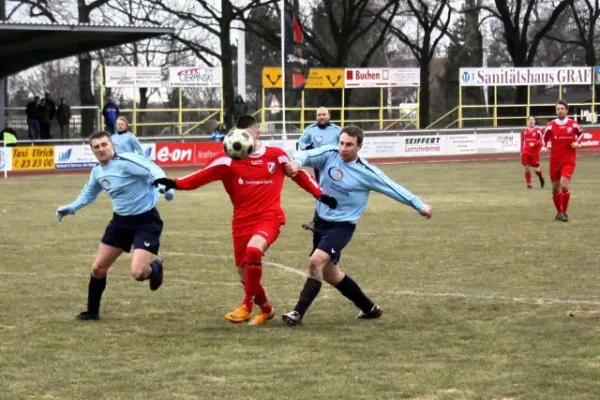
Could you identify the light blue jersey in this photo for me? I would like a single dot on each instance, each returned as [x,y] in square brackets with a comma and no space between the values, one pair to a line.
[127,180]
[126,142]
[350,183]
[315,136]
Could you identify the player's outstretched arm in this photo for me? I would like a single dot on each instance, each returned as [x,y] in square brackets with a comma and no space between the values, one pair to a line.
[88,194]
[381,183]
[308,183]
[305,141]
[315,158]
[215,170]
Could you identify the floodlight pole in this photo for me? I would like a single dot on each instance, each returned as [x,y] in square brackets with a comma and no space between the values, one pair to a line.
[283,135]
[3,80]
[241,56]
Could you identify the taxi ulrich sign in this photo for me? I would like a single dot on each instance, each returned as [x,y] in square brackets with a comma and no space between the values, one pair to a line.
[34,157]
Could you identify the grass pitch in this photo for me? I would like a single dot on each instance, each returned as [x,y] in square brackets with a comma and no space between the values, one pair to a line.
[476,300]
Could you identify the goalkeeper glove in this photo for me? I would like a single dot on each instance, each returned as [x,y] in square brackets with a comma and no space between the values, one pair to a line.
[165,184]
[63,211]
[330,201]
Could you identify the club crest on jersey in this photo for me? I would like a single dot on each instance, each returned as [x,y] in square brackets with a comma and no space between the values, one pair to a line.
[318,139]
[569,130]
[105,184]
[271,167]
[336,174]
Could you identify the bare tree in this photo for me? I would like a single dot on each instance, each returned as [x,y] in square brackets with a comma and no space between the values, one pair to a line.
[523,32]
[433,19]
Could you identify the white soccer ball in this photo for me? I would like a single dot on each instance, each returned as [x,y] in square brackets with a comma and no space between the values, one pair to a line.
[238,144]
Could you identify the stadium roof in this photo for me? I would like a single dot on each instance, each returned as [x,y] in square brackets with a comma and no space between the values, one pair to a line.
[24,45]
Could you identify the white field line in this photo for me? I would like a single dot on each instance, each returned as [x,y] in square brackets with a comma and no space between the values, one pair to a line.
[407,293]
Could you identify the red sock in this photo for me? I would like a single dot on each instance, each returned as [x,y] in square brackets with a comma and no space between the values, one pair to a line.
[528,178]
[261,299]
[557,199]
[566,196]
[252,275]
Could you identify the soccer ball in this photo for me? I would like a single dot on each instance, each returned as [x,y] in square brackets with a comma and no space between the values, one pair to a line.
[238,144]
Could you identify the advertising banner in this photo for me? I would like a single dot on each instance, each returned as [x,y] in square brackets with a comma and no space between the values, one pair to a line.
[591,139]
[175,154]
[461,144]
[205,151]
[33,158]
[5,159]
[498,143]
[194,77]
[526,76]
[74,157]
[382,77]
[133,77]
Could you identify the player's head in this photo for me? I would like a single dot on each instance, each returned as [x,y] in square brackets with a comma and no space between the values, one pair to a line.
[122,124]
[322,116]
[250,125]
[351,140]
[531,121]
[102,146]
[562,108]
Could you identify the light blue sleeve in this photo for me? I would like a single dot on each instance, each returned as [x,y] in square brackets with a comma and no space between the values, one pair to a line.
[305,140]
[138,165]
[316,158]
[381,183]
[136,145]
[88,194]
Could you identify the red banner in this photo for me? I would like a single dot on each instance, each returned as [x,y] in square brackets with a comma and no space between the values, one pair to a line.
[206,150]
[175,154]
[186,153]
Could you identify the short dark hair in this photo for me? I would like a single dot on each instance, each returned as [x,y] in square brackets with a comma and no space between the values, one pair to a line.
[354,131]
[563,103]
[245,122]
[98,135]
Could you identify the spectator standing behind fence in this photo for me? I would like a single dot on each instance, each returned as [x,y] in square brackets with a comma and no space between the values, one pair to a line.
[124,141]
[51,106]
[237,109]
[219,133]
[45,121]
[34,115]
[63,116]
[110,112]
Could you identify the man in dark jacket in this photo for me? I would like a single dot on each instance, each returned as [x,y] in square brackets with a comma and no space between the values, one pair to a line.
[110,112]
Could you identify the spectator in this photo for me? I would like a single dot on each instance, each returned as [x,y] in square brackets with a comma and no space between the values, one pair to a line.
[9,135]
[33,118]
[238,108]
[63,116]
[51,106]
[45,121]
[110,112]
[219,133]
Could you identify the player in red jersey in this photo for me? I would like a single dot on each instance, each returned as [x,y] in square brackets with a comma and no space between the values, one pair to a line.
[564,135]
[531,140]
[254,186]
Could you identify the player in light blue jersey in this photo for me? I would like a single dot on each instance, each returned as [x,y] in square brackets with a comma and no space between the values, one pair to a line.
[351,178]
[123,140]
[127,180]
[323,133]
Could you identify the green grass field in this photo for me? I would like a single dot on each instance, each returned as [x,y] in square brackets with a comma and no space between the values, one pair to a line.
[476,300]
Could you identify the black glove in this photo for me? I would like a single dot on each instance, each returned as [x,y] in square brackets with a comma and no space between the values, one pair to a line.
[166,182]
[328,200]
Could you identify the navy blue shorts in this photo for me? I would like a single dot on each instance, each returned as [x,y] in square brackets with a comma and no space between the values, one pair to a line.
[332,237]
[142,231]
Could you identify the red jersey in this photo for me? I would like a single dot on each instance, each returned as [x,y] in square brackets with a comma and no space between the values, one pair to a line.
[254,184]
[562,134]
[531,140]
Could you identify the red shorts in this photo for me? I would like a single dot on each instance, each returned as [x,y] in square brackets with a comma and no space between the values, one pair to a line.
[531,159]
[562,170]
[268,228]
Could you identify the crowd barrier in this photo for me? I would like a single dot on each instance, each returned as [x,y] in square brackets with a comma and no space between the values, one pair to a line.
[166,154]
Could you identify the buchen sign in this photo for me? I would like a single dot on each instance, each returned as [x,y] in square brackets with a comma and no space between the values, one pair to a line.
[318,78]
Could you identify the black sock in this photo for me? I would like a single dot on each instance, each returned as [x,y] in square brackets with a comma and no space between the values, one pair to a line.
[354,293]
[307,296]
[95,290]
